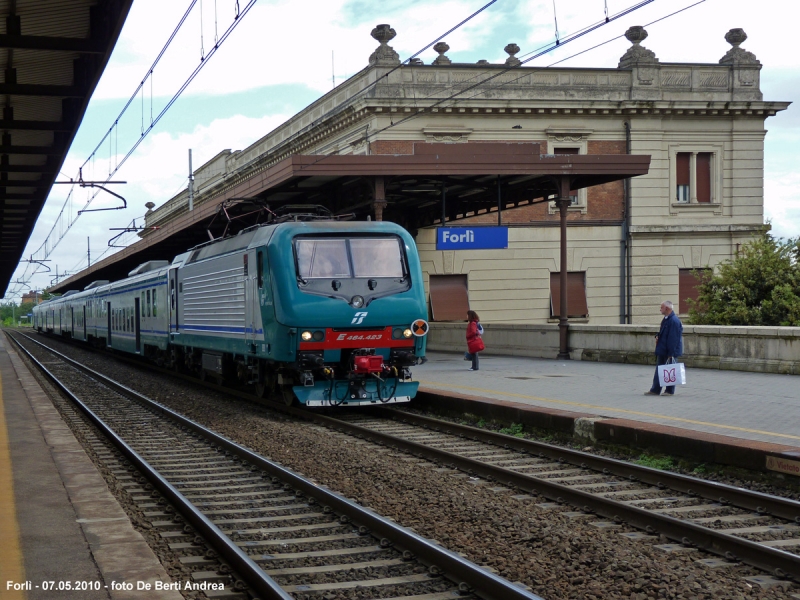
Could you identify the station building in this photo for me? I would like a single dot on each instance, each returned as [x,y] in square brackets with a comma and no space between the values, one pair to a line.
[632,243]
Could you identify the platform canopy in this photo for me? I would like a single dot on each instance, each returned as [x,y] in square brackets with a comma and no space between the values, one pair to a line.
[54,53]
[438,183]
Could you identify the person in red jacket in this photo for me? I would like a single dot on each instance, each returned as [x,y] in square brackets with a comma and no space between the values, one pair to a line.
[474,340]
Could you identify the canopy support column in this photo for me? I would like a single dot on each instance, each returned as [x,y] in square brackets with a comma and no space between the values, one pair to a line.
[563,323]
[379,201]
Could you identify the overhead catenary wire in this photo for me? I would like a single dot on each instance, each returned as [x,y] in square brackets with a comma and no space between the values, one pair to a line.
[460,95]
[535,54]
[550,48]
[49,244]
[608,41]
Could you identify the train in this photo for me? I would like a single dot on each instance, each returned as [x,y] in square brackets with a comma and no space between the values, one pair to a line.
[320,313]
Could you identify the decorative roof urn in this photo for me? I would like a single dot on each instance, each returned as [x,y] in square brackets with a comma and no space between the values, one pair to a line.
[441,48]
[737,56]
[637,55]
[511,50]
[384,55]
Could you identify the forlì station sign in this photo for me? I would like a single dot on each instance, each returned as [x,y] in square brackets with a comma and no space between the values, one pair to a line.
[471,238]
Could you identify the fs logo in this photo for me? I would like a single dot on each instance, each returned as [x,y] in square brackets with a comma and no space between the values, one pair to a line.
[358,318]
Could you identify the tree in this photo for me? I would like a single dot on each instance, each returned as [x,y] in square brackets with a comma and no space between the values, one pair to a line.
[761,286]
[7,311]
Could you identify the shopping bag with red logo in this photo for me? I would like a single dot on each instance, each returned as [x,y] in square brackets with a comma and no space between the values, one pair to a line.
[672,373]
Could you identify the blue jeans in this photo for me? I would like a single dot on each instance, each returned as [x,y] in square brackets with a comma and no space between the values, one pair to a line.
[656,389]
[474,358]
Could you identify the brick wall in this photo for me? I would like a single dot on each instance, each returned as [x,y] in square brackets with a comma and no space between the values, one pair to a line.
[392,147]
[606,201]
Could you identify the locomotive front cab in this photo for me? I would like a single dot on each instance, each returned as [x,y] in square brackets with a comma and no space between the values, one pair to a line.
[355,296]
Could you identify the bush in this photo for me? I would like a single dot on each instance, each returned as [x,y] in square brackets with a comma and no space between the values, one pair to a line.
[761,286]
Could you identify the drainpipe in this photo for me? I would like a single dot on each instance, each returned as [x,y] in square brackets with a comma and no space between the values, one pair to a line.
[626,288]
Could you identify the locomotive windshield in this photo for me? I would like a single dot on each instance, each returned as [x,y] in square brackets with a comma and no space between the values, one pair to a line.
[348,257]
[347,267]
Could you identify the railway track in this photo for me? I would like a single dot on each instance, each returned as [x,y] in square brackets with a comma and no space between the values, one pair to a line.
[736,524]
[249,525]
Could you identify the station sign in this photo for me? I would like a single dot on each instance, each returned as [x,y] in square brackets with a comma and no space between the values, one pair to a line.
[471,238]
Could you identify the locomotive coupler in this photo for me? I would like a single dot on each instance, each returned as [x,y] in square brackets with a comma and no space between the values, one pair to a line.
[357,389]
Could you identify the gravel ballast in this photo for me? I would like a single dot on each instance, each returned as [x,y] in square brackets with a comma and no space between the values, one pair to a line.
[557,556]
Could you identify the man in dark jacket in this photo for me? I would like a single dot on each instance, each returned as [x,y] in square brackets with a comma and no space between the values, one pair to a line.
[669,345]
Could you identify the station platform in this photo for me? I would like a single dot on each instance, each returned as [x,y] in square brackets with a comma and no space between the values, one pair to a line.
[728,417]
[63,535]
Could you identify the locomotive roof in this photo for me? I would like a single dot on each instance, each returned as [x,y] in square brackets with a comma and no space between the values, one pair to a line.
[260,235]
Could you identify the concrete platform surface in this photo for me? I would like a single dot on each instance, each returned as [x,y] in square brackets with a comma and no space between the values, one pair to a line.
[732,408]
[60,526]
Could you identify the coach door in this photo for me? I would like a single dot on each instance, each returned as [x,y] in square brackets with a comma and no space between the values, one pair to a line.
[173,300]
[108,324]
[137,323]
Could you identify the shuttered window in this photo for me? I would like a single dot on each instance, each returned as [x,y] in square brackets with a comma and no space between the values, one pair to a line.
[688,287]
[703,171]
[449,297]
[576,294]
[683,176]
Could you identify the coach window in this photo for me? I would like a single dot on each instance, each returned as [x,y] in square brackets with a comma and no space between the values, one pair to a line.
[260,268]
[154,302]
[142,305]
[149,308]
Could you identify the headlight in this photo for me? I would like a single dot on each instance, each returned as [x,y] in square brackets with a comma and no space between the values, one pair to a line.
[357,302]
[407,333]
[319,336]
[397,333]
[305,336]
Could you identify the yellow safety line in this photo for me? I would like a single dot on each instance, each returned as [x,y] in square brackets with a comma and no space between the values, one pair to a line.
[608,408]
[11,568]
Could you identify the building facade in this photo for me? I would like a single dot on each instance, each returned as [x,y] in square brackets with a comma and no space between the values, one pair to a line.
[631,244]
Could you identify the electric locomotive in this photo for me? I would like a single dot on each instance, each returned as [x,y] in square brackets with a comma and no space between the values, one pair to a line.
[321,313]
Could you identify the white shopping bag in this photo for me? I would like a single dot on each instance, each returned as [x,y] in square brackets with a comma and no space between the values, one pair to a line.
[672,373]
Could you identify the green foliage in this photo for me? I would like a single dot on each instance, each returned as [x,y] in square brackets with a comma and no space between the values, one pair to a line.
[11,313]
[515,429]
[664,463]
[761,286]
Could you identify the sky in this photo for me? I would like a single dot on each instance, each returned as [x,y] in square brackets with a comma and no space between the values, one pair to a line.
[282,55]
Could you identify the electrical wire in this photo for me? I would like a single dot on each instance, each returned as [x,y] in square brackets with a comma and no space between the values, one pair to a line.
[539,52]
[364,91]
[114,128]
